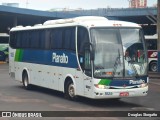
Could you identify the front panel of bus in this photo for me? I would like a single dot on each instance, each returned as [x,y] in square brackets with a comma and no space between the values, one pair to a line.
[118,62]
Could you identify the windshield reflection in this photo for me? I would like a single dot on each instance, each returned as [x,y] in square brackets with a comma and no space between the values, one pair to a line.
[118,53]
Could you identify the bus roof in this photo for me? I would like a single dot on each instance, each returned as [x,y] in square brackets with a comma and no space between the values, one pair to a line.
[155,36]
[88,21]
[4,35]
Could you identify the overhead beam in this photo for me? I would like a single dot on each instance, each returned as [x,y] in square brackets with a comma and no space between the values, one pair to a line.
[151,14]
[151,19]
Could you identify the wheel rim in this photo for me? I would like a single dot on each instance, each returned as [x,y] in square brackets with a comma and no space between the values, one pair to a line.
[25,82]
[154,67]
[71,90]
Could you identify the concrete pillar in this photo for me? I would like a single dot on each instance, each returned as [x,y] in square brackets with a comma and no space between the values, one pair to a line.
[158,32]
[15,21]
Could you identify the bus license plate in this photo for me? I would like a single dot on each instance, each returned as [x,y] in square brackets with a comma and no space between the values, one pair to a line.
[124,94]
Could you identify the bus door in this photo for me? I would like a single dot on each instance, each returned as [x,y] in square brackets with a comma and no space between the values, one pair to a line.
[12,63]
[87,73]
[84,75]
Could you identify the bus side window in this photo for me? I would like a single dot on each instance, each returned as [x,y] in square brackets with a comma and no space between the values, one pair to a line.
[56,38]
[72,41]
[13,39]
[151,44]
[42,39]
[35,39]
[25,39]
[69,38]
[47,39]
[19,40]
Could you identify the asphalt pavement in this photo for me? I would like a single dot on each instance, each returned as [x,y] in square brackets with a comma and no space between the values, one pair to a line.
[13,97]
[154,75]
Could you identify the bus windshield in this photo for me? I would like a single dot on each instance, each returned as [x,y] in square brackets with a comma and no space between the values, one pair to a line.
[119,52]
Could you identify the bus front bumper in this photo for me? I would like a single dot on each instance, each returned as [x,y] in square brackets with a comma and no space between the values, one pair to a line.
[119,93]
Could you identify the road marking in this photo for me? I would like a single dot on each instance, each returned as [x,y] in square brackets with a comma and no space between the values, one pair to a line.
[3,69]
[1,62]
[142,108]
[154,83]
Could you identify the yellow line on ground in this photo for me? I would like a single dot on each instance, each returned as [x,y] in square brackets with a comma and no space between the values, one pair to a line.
[1,62]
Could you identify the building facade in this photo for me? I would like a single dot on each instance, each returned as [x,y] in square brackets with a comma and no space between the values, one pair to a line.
[137,3]
[11,4]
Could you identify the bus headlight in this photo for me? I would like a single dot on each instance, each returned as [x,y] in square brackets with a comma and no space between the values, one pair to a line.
[143,85]
[101,86]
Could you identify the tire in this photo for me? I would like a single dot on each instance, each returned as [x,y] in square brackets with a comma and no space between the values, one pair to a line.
[6,59]
[153,66]
[26,81]
[70,91]
[115,99]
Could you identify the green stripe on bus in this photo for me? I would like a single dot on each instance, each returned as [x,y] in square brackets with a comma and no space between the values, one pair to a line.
[104,82]
[19,54]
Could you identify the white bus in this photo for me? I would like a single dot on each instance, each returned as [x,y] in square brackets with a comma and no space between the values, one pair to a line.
[85,56]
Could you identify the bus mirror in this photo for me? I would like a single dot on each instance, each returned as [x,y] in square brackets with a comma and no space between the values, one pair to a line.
[92,52]
[92,56]
[89,46]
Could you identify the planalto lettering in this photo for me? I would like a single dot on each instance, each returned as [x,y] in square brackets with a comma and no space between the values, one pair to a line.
[59,58]
[136,82]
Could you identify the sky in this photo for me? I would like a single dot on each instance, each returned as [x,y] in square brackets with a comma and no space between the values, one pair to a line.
[72,4]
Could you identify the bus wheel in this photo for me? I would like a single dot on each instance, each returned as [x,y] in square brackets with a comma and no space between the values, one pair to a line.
[26,81]
[153,66]
[70,90]
[7,60]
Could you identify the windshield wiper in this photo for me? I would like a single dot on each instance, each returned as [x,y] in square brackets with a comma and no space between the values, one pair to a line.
[117,61]
[133,67]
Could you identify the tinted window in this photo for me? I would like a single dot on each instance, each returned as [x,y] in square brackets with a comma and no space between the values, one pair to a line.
[82,38]
[56,38]
[18,40]
[151,44]
[47,39]
[4,40]
[42,41]
[69,38]
[72,40]
[35,39]
[63,38]
[25,37]
[12,39]
[83,50]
